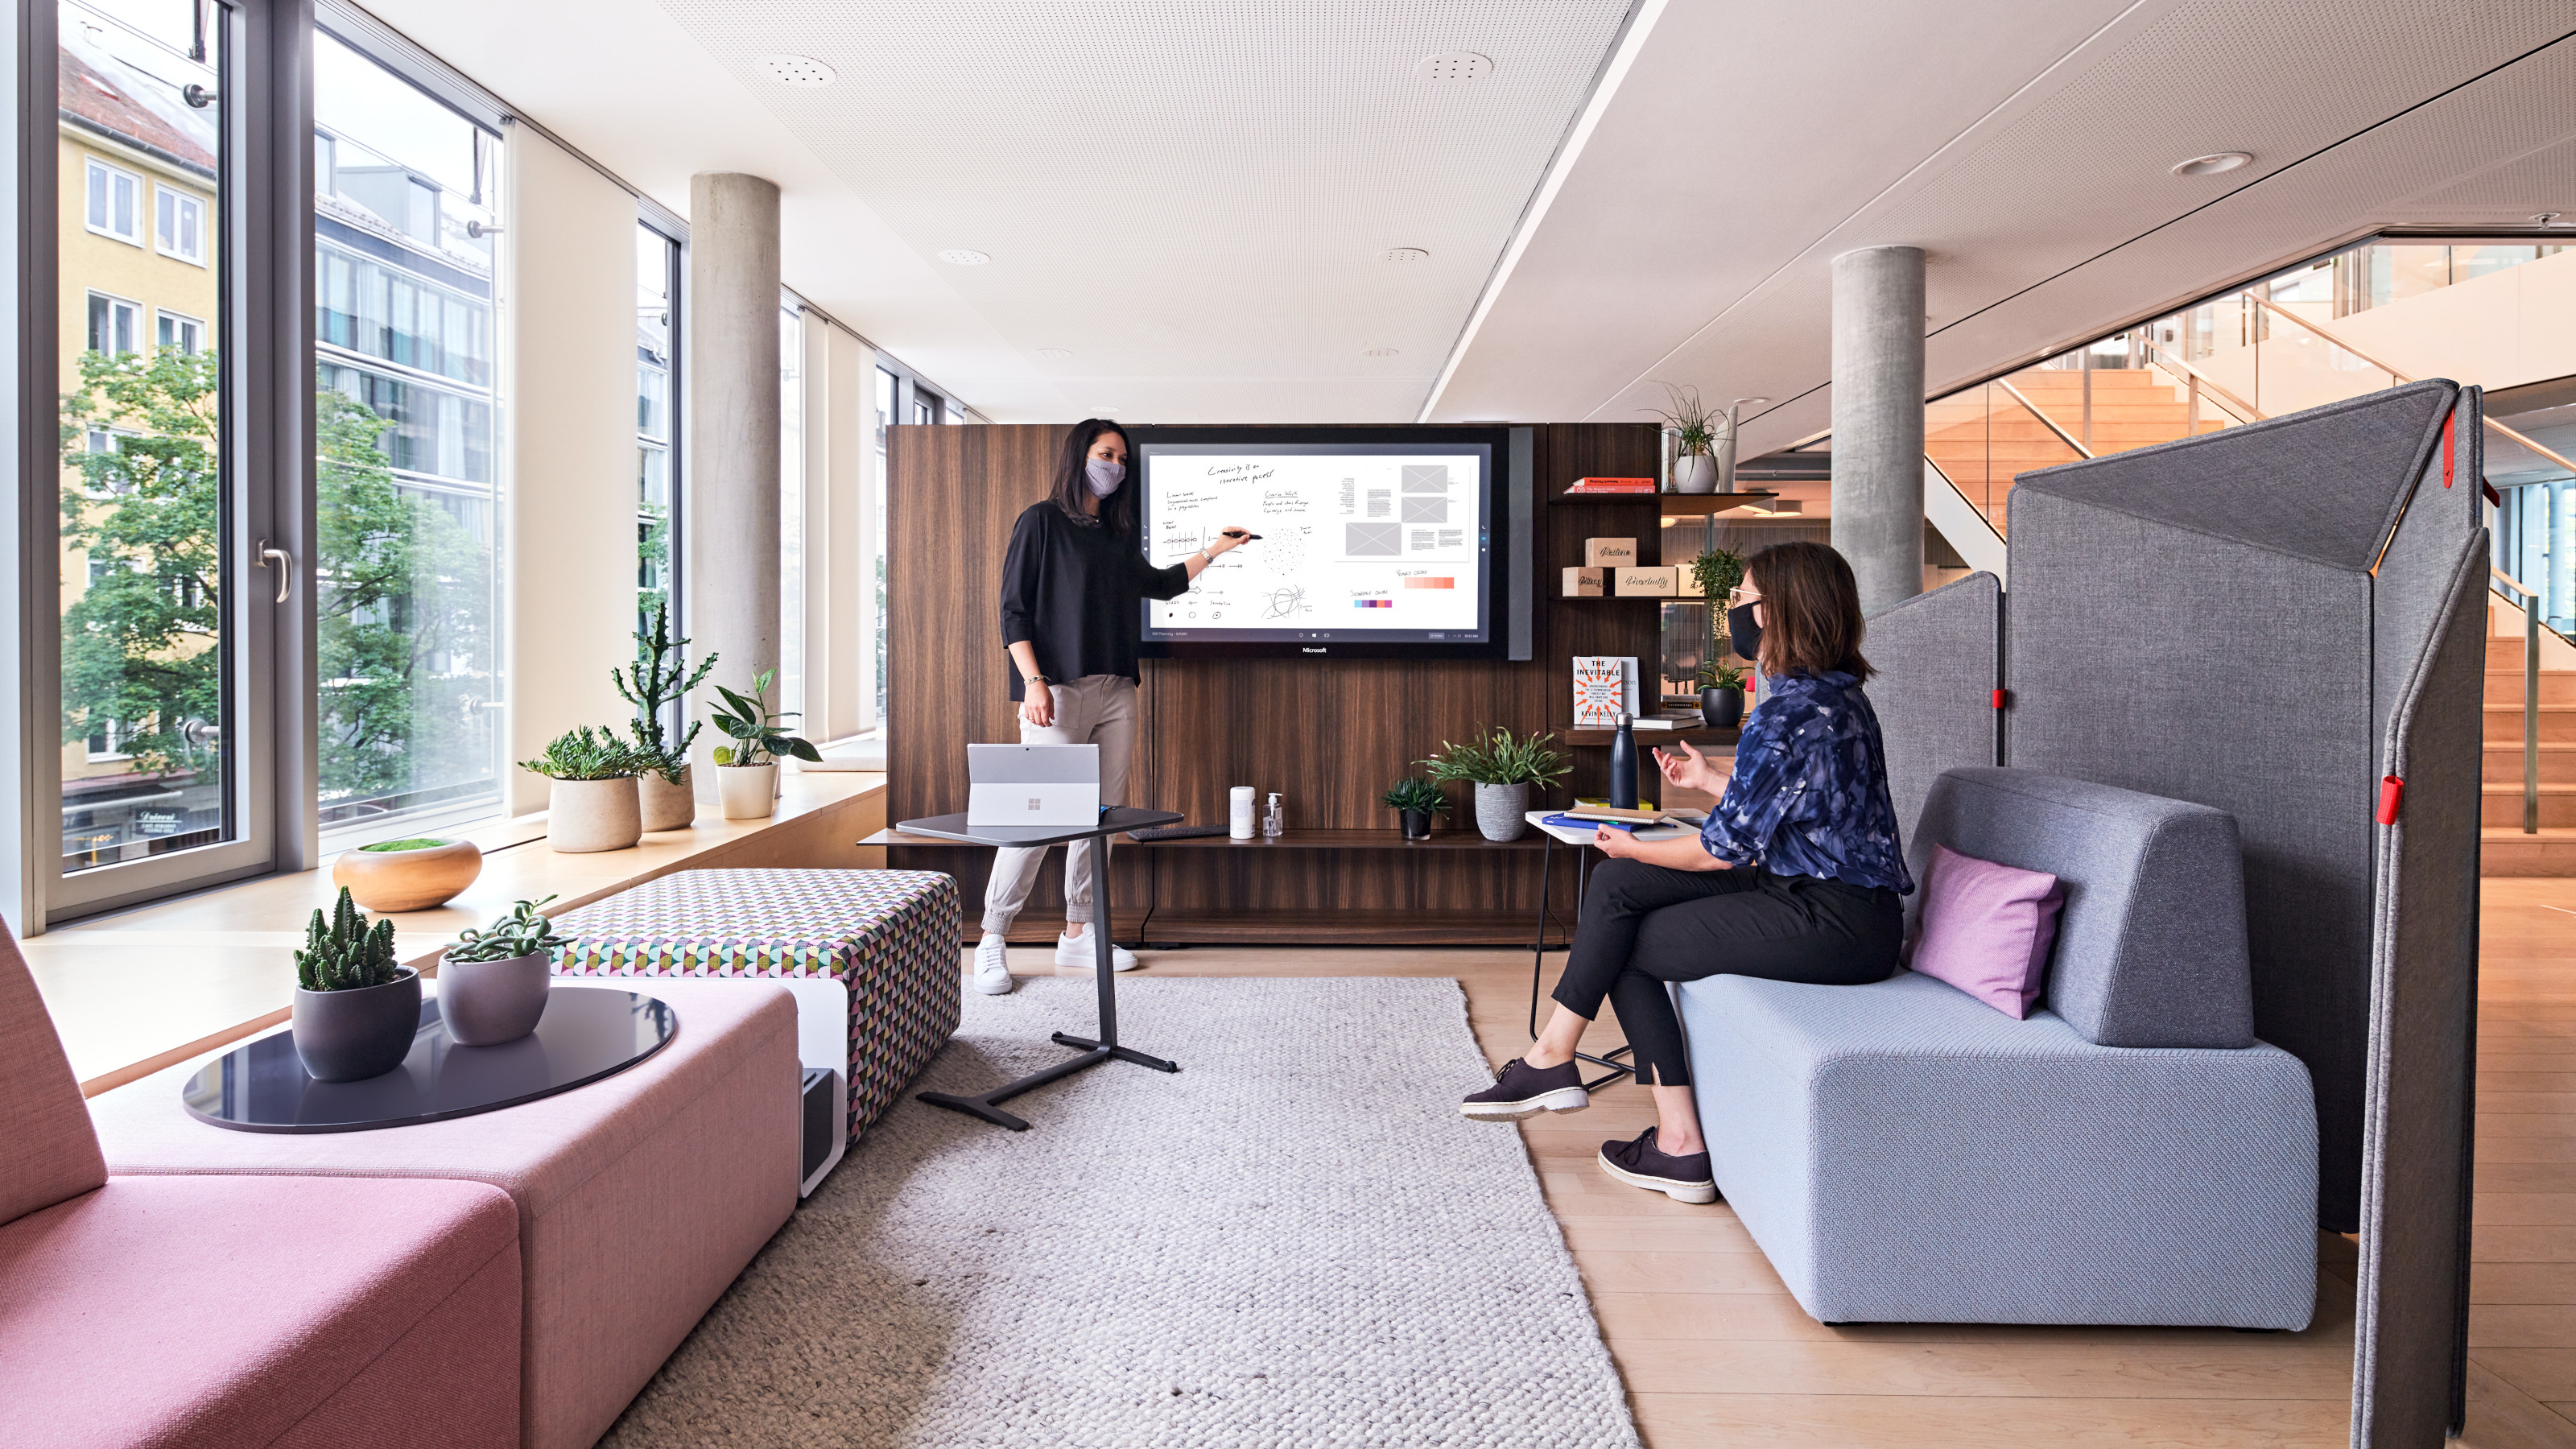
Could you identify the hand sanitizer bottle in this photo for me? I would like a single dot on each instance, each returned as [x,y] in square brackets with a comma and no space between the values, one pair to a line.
[1271,824]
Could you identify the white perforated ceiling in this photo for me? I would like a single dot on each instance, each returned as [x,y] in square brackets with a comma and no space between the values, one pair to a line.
[2027,148]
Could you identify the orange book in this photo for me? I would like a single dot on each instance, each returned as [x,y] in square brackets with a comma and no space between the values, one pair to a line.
[1613,485]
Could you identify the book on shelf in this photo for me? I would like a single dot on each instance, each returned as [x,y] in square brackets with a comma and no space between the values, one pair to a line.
[1684,720]
[1604,686]
[1612,485]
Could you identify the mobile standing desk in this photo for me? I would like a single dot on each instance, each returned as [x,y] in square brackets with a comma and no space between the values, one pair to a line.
[1579,837]
[1038,837]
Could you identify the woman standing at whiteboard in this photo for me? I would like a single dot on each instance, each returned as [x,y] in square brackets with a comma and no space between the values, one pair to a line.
[1073,590]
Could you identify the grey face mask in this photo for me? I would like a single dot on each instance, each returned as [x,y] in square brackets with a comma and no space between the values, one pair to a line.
[1105,476]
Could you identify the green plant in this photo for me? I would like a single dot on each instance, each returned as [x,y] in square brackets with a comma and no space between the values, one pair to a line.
[1718,674]
[583,753]
[523,932]
[1700,426]
[418,843]
[1718,573]
[1411,793]
[754,727]
[1500,758]
[346,954]
[661,675]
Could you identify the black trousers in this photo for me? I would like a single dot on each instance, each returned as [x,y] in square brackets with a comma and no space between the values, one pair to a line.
[1644,925]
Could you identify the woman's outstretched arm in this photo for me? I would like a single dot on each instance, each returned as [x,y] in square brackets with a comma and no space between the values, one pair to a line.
[1682,852]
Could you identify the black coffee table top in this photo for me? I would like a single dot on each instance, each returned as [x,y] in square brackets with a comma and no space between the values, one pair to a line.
[1112,820]
[587,1033]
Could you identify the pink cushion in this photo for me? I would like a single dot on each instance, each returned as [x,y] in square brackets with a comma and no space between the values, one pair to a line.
[47,1151]
[258,1311]
[687,1161]
[1986,929]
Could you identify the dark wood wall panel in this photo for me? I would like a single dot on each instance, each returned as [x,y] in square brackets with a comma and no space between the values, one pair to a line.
[1330,737]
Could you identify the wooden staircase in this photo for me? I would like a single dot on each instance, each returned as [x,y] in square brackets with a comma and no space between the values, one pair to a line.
[2503,848]
[1983,439]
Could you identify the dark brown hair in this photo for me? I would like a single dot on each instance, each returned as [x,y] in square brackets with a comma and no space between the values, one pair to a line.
[1811,611]
[1073,480]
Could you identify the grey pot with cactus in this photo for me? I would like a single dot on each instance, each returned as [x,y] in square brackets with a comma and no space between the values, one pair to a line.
[493,984]
[356,1008]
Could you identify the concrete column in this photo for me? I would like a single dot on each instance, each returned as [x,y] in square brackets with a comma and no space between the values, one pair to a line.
[1878,421]
[730,524]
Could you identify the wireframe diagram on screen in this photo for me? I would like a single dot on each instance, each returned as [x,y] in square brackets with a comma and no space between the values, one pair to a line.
[1358,542]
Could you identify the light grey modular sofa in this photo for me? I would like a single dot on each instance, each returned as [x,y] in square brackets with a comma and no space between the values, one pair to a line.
[2130,1154]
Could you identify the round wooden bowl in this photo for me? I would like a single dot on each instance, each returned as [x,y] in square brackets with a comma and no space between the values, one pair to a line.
[407,880]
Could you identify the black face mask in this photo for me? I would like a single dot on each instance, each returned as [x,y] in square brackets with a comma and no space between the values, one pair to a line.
[1742,633]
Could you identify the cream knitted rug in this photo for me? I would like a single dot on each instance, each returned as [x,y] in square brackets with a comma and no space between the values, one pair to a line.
[1296,1241]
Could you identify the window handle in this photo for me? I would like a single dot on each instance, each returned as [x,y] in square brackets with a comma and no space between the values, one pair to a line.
[283,562]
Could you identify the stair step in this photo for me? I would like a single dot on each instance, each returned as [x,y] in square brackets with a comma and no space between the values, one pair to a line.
[2509,852]
[2502,761]
[2557,686]
[2500,805]
[2504,724]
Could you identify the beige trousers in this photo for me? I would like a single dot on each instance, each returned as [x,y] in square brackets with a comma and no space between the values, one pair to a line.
[1097,709]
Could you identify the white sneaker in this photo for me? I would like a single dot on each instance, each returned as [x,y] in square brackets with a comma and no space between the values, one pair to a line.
[1078,951]
[993,965]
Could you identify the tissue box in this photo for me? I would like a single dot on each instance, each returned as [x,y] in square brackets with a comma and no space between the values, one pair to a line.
[1648,582]
[1609,553]
[1586,583]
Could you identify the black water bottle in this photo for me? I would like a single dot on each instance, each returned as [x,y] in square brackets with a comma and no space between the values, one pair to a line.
[1623,764]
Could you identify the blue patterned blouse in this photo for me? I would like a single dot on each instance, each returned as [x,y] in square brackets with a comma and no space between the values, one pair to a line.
[1809,792]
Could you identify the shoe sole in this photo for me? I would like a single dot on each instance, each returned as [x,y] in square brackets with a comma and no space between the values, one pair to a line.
[1005,989]
[1690,1192]
[1563,1099]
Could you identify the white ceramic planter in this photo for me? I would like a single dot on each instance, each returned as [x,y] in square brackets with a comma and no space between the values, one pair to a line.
[1695,473]
[749,792]
[486,1003]
[587,815]
[667,806]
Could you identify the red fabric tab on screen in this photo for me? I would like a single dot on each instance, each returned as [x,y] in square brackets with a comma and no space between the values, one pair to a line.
[2492,496]
[2391,791]
[2446,447]
[1999,699]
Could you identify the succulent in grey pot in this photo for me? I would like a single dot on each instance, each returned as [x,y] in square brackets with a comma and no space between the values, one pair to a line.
[1721,696]
[1503,767]
[356,1009]
[493,984]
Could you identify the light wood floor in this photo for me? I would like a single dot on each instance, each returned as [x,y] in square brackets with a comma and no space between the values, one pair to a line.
[1715,1352]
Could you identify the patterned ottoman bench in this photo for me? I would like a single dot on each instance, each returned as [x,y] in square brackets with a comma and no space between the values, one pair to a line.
[882,941]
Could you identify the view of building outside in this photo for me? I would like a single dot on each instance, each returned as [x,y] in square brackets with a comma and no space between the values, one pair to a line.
[143,492]
[788,691]
[885,419]
[656,263]
[411,682]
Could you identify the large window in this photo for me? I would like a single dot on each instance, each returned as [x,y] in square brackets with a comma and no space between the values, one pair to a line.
[791,508]
[147,690]
[885,395]
[406,204]
[657,273]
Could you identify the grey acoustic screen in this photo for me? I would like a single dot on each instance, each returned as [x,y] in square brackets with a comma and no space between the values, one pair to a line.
[1939,658]
[2196,620]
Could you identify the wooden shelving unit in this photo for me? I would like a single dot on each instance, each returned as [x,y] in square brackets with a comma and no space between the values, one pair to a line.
[1668,505]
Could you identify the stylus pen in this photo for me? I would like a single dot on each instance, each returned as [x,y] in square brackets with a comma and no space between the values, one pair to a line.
[1246,537]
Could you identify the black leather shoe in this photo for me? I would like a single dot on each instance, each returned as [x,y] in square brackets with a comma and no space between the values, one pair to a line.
[1521,1090]
[1642,1164]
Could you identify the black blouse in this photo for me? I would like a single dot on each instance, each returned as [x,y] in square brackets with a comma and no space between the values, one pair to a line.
[1075,591]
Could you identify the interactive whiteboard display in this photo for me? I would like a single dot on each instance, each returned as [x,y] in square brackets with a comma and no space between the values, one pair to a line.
[1362,544]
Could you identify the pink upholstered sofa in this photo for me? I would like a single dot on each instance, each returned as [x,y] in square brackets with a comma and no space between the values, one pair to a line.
[236,1312]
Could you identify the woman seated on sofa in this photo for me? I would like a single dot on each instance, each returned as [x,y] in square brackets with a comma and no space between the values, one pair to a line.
[1794,878]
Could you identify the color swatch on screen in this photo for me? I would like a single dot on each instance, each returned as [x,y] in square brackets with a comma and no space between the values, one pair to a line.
[1431,583]
[1373,603]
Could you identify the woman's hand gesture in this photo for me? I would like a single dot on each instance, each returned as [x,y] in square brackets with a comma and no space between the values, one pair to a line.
[1228,539]
[1689,769]
[1038,705]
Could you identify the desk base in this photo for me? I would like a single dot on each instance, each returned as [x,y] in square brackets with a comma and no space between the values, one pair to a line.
[1093,1054]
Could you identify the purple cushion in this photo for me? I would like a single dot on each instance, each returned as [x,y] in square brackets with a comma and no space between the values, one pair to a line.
[1986,929]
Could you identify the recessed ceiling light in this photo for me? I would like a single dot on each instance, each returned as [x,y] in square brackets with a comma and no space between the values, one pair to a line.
[1406,254]
[1379,352]
[2213,163]
[964,257]
[1055,354]
[1454,65]
[800,70]
[1751,402]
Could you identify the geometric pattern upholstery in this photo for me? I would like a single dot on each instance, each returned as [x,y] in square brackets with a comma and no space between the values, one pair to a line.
[889,936]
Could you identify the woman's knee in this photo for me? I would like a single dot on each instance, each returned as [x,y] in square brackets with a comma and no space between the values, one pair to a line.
[1614,883]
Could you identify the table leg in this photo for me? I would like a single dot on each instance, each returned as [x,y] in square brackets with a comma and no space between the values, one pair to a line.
[1104,964]
[1618,1068]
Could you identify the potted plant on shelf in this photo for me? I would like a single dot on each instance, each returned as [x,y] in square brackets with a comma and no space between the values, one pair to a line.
[1697,431]
[664,792]
[1718,573]
[356,1008]
[492,983]
[1502,766]
[1414,802]
[407,875]
[592,804]
[747,774]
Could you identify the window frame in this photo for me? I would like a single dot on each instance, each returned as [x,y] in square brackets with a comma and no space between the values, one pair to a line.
[164,195]
[93,296]
[96,168]
[165,314]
